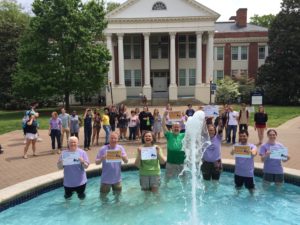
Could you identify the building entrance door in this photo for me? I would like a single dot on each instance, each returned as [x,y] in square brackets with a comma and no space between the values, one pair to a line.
[159,81]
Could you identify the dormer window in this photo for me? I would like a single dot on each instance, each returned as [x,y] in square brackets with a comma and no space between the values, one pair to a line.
[159,6]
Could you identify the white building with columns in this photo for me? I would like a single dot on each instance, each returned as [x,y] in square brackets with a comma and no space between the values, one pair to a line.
[165,49]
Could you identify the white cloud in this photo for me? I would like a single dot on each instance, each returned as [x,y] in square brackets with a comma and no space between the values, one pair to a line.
[226,8]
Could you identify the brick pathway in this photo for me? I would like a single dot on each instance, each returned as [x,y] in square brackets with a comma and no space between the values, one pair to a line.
[14,169]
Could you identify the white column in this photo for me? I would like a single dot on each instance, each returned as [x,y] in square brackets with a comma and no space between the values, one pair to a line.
[147,90]
[172,60]
[173,87]
[199,58]
[121,59]
[209,57]
[146,59]
[109,44]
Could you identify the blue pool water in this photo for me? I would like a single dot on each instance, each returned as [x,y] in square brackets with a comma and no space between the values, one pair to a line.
[221,205]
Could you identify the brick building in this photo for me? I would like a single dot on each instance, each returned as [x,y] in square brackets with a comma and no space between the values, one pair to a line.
[174,48]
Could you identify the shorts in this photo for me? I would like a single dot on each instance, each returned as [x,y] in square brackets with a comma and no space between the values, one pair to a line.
[271,177]
[173,170]
[31,136]
[147,182]
[247,181]
[211,170]
[79,190]
[260,125]
[105,188]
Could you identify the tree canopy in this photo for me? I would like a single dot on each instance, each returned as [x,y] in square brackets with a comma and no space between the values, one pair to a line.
[264,21]
[13,23]
[62,52]
[110,6]
[279,77]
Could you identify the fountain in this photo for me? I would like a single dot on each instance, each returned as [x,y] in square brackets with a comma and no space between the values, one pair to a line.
[195,141]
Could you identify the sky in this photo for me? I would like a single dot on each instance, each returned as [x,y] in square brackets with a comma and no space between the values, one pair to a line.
[226,8]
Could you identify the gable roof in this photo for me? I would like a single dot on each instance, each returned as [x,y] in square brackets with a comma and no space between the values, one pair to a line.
[142,9]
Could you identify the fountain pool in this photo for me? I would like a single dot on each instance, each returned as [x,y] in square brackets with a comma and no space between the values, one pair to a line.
[171,206]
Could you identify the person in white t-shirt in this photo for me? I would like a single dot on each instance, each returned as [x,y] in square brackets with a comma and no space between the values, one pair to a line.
[232,123]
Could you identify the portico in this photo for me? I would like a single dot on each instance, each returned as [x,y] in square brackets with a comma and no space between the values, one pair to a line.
[160,48]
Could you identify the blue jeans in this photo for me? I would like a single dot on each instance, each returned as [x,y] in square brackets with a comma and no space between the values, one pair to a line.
[132,133]
[107,132]
[87,136]
[230,128]
[55,134]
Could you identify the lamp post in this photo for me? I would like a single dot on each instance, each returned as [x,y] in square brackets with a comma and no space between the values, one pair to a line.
[111,92]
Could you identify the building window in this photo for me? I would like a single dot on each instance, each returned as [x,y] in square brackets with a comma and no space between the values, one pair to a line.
[244,73]
[137,78]
[182,46]
[244,53]
[192,77]
[164,47]
[234,53]
[128,78]
[182,77]
[261,52]
[219,75]
[219,53]
[136,47]
[159,6]
[192,46]
[234,73]
[154,51]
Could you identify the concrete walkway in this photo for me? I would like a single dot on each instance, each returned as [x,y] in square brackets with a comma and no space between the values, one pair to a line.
[15,169]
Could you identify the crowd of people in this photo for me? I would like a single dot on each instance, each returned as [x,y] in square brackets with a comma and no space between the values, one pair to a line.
[148,126]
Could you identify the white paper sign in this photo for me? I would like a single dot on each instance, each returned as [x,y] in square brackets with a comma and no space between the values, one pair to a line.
[211,110]
[70,158]
[148,153]
[278,152]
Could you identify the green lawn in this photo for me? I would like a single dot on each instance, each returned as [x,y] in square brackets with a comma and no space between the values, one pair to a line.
[277,114]
[12,120]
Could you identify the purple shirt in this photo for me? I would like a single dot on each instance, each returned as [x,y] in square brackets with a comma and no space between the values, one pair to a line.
[245,166]
[75,175]
[111,171]
[271,165]
[55,124]
[213,152]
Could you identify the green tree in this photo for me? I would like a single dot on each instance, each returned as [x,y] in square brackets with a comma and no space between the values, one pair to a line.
[62,53]
[110,6]
[13,23]
[264,21]
[227,91]
[279,77]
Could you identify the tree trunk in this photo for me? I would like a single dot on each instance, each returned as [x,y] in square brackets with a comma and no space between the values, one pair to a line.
[67,100]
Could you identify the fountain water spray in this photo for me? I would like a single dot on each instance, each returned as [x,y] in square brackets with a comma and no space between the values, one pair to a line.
[195,141]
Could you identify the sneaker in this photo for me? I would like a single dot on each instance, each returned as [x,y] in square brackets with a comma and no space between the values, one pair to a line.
[89,148]
[58,151]
[85,149]
[25,156]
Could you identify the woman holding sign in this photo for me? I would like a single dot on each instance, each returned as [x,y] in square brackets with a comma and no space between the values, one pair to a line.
[272,153]
[148,160]
[244,162]
[111,157]
[74,161]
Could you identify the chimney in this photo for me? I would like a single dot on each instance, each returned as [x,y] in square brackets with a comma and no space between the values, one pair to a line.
[241,17]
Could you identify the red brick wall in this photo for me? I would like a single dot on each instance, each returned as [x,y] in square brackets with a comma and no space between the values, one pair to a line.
[253,60]
[241,17]
[227,59]
[241,34]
